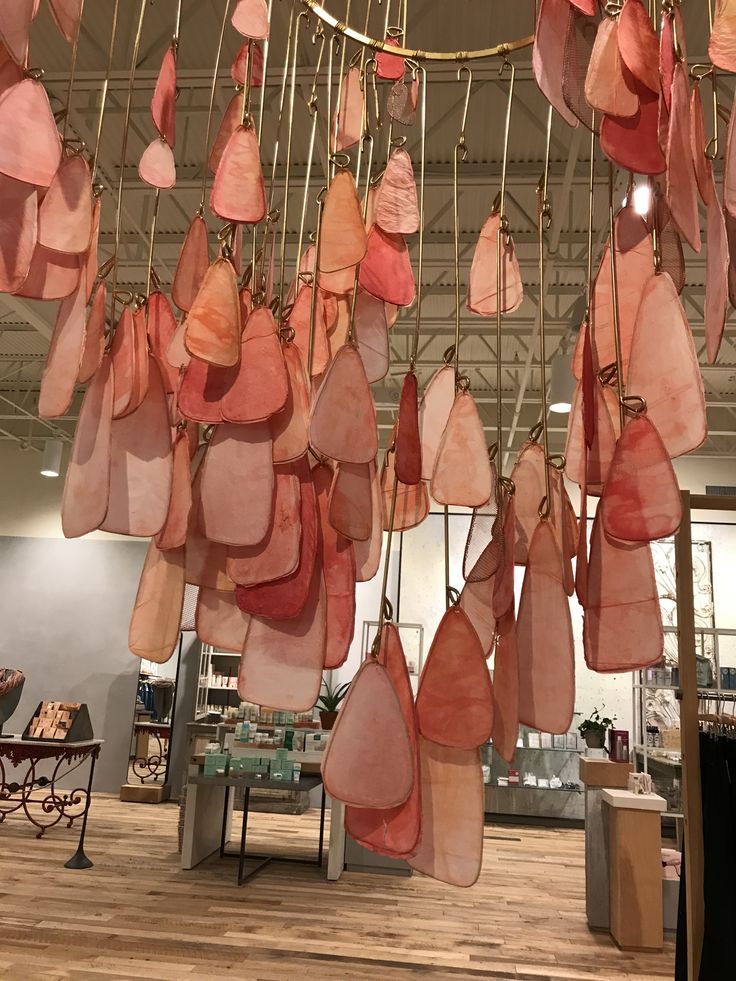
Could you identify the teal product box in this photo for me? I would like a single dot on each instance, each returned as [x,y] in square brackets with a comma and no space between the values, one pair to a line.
[214,762]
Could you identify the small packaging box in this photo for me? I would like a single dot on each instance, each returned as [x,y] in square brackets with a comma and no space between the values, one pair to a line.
[732,678]
[558,741]
[546,740]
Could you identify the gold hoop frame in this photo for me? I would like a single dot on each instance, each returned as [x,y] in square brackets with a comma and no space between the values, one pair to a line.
[500,50]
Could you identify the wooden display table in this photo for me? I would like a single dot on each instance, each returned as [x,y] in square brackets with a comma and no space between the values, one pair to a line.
[635,868]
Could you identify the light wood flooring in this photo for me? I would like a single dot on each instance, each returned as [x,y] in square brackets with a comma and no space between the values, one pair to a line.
[137,915]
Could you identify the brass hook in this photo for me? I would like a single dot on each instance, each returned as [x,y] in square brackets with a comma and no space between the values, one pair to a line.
[557,461]
[452,595]
[634,404]
[287,334]
[388,610]
[492,452]
[341,160]
[397,141]
[608,374]
[535,432]
[508,485]
[544,509]
[462,383]
[461,144]
[449,356]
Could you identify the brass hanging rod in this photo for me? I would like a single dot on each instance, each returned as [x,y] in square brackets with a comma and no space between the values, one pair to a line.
[417,54]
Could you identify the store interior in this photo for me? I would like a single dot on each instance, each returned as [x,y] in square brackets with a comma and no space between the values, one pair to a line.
[362,619]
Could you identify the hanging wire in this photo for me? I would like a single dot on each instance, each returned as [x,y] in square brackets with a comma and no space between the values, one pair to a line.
[591,200]
[501,232]
[210,109]
[313,304]
[123,151]
[460,154]
[264,80]
[419,69]
[105,86]
[614,294]
[72,73]
[332,130]
[544,219]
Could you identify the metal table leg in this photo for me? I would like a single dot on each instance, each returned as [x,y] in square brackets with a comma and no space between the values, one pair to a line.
[224,821]
[79,860]
[321,827]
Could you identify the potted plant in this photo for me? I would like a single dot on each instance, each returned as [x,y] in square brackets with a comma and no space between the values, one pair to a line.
[594,728]
[329,702]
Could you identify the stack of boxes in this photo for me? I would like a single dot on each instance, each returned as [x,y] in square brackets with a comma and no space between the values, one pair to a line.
[54,720]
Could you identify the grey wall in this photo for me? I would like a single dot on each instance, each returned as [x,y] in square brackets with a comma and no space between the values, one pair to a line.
[64,611]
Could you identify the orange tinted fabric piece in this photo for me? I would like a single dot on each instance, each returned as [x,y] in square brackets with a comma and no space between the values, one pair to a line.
[260,386]
[682,188]
[392,831]
[544,637]
[290,427]
[637,42]
[370,333]
[213,324]
[343,422]
[228,124]
[506,689]
[30,146]
[641,494]
[455,699]
[278,554]
[451,845]
[161,326]
[528,478]
[18,231]
[285,598]
[129,351]
[205,560]
[622,628]
[408,463]
[462,470]
[368,553]
[633,143]
[338,566]
[716,273]
[608,84]
[664,368]
[343,239]
[282,660]
[156,166]
[347,122]
[155,624]
[300,319]
[375,772]
[698,141]
[141,465]
[174,532]
[64,356]
[194,261]
[219,621]
[350,509]
[386,270]
[722,43]
[412,500]
[65,214]
[482,283]
[237,468]
[87,482]
[548,54]
[163,103]
[202,389]
[434,411]
[238,192]
[51,275]
[397,209]
[94,336]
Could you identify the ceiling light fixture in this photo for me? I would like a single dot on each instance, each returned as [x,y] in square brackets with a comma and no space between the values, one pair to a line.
[562,383]
[51,461]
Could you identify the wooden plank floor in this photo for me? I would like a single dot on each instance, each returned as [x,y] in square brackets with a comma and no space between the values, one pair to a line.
[137,915]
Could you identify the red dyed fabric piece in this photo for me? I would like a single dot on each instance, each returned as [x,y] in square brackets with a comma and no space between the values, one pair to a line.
[219,621]
[130,362]
[201,391]
[205,560]
[260,387]
[343,422]
[388,66]
[682,188]
[506,689]
[548,54]
[239,66]
[368,553]
[51,275]
[300,319]
[16,17]
[285,599]
[213,325]
[66,15]
[163,103]
[386,270]
[230,121]
[64,356]
[503,582]
[476,601]
[455,698]
[161,327]
[350,509]
[408,463]
[412,500]
[633,143]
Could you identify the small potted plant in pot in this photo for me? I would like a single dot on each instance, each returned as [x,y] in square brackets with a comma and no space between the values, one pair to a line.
[594,729]
[329,702]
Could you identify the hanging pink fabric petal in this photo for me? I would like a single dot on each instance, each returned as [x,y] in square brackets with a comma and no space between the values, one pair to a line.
[412,500]
[386,270]
[350,508]
[277,555]
[451,845]
[503,581]
[722,43]
[506,690]
[290,427]
[434,411]
[156,620]
[201,391]
[607,426]
[129,350]
[564,523]
[30,146]
[670,246]
[343,241]
[371,336]
[389,66]
[455,698]
[18,231]
[476,601]
[161,327]
[731,238]
[66,14]
[641,496]
[338,565]
[698,143]
[401,104]
[482,286]
[219,621]
[716,273]
[462,470]
[369,773]
[347,121]
[194,261]
[368,553]
[638,44]
[213,324]
[609,86]
[408,448]
[205,561]
[397,208]
[528,478]
[237,467]
[682,188]
[392,831]
[664,369]
[230,121]
[548,54]
[64,356]
[300,319]
[633,143]
[174,531]
[10,73]
[156,166]
[260,387]
[343,422]
[51,275]
[65,214]
[93,346]
[285,598]
[282,660]
[250,18]
[622,628]
[484,544]
[163,103]
[91,260]
[87,483]
[544,636]
[239,66]
[16,17]
[141,465]
[238,192]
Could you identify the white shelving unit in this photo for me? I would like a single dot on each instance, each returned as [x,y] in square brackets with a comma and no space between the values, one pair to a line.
[211,662]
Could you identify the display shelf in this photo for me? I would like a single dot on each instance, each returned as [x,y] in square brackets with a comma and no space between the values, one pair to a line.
[521,786]
[544,749]
[225,654]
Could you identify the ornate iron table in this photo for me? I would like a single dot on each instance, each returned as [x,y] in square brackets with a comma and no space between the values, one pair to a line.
[152,764]
[37,796]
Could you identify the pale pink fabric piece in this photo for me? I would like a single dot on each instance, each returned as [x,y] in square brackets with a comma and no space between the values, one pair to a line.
[194,261]
[343,241]
[250,18]
[386,270]
[94,336]
[65,214]
[368,553]
[219,621]
[434,411]
[608,86]
[528,478]
[174,531]
[66,14]
[338,565]
[260,387]
[30,146]
[350,509]
[482,286]
[15,22]
[18,231]
[156,166]
[343,422]
[462,469]
[163,103]
[397,208]
[682,188]
[154,626]
[64,356]
[290,427]
[347,122]
[230,121]
[722,43]
[51,275]
[238,192]
[548,54]
[371,336]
